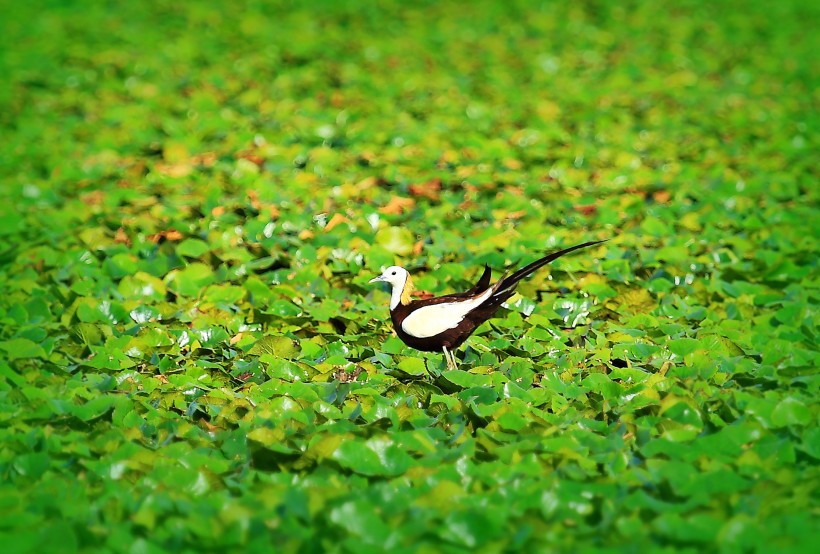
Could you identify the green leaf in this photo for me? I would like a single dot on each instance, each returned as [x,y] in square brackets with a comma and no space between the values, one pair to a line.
[224,294]
[413,366]
[465,379]
[121,265]
[469,528]
[398,240]
[682,347]
[17,349]
[277,346]
[192,248]
[790,411]
[359,520]
[602,384]
[190,280]
[32,465]
[376,457]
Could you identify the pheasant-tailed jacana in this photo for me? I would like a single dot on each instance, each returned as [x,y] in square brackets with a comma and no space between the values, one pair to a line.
[443,323]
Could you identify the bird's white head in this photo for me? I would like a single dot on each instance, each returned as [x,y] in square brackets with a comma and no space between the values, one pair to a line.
[395,275]
[400,281]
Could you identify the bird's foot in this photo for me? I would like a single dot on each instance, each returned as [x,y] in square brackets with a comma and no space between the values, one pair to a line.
[451,358]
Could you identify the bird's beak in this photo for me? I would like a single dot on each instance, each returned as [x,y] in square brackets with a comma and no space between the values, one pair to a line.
[376,279]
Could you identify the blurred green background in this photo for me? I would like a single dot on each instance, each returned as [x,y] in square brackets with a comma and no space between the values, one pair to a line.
[193,197]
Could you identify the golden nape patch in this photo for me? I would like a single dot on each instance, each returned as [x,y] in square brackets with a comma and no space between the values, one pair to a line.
[407,290]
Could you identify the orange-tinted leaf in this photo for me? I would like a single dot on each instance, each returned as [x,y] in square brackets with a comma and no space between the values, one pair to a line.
[337,219]
[398,205]
[431,189]
[174,170]
[252,157]
[254,198]
[93,198]
[170,234]
[662,196]
[206,159]
[121,237]
[512,163]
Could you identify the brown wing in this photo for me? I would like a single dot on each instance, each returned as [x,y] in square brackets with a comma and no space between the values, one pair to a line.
[452,338]
[480,286]
[483,282]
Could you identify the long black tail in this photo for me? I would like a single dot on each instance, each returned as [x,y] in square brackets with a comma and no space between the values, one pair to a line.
[507,285]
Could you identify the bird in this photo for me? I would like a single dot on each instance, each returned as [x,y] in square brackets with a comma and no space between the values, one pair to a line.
[443,323]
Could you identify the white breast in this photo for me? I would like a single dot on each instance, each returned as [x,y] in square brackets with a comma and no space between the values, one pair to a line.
[437,318]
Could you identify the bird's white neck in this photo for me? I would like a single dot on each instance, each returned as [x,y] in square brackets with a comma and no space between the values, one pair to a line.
[395,295]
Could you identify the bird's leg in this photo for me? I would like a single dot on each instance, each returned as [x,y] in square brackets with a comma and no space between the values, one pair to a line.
[450,357]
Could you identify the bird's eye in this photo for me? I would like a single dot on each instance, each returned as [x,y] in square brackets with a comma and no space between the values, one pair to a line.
[392,273]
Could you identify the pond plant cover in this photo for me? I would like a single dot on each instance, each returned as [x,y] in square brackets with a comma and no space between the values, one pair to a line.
[195,195]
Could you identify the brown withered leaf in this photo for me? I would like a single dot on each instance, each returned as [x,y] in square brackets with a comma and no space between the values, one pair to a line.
[252,157]
[254,198]
[121,237]
[586,209]
[162,236]
[661,196]
[93,198]
[206,159]
[137,170]
[236,338]
[418,247]
[210,427]
[431,189]
[345,377]
[218,211]
[258,205]
[398,205]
